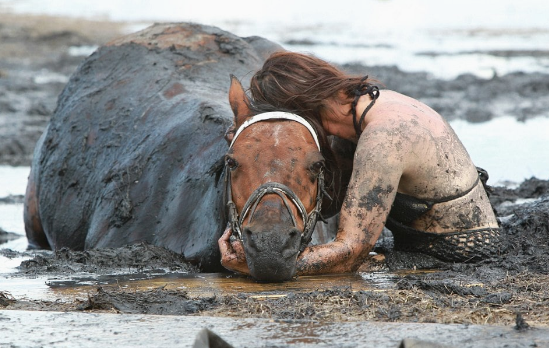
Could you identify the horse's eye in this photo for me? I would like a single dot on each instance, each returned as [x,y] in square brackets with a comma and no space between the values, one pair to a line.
[317,166]
[231,163]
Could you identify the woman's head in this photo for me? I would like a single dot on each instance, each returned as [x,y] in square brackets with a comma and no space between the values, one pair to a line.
[302,84]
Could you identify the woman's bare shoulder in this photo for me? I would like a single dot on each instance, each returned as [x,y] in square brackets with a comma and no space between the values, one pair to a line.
[395,104]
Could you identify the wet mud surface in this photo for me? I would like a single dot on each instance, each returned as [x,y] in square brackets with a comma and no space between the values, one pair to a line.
[38,55]
[511,289]
[134,330]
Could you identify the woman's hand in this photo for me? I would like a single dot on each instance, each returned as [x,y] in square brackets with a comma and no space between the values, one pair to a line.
[233,257]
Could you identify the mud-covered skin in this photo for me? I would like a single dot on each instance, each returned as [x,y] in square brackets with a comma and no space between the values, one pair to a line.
[132,152]
[405,147]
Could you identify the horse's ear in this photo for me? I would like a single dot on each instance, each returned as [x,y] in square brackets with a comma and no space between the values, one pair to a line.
[239,101]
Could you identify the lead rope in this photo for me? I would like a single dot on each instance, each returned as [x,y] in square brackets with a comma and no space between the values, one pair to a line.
[363,89]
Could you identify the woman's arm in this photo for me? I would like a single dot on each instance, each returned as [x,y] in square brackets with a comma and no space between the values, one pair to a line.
[378,167]
[377,170]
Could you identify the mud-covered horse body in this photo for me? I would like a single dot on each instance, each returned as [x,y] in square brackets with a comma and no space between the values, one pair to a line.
[133,151]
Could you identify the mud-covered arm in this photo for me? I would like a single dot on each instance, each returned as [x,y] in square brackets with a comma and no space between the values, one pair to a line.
[378,167]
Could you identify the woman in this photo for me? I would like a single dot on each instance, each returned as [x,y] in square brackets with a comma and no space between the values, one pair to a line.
[410,172]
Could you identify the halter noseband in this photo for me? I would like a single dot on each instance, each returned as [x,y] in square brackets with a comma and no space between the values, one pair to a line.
[283,191]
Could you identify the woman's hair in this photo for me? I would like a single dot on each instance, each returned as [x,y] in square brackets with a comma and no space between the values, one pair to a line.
[301,84]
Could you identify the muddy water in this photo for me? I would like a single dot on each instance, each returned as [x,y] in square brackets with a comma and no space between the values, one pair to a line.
[208,284]
[73,311]
[67,289]
[93,329]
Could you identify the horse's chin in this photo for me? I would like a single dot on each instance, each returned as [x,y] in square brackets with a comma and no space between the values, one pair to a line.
[271,268]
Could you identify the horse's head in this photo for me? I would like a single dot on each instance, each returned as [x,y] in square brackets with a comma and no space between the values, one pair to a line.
[275,186]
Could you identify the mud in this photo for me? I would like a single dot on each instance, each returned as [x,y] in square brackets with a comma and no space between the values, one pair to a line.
[38,55]
[6,236]
[511,289]
[26,329]
[136,258]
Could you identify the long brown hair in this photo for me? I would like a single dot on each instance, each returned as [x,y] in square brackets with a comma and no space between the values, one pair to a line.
[301,84]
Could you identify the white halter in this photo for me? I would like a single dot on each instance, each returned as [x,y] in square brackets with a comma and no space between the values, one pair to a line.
[276,115]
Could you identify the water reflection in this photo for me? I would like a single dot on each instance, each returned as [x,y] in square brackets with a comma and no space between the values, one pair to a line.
[207,284]
[61,288]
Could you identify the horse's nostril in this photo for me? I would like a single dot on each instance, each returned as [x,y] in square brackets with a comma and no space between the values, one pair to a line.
[293,233]
[248,232]
[249,236]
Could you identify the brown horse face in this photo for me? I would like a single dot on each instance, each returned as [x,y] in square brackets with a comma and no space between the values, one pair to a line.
[282,152]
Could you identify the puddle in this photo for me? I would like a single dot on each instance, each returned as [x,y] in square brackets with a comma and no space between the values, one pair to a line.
[201,285]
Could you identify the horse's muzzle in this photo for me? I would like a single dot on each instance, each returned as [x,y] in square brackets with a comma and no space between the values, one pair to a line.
[271,252]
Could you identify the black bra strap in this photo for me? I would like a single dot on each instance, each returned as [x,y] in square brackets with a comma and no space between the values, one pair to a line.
[362,89]
[459,195]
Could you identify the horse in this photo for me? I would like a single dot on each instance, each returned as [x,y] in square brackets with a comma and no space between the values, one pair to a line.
[280,176]
[134,152]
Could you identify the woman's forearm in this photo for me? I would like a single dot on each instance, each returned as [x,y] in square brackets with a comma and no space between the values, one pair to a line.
[335,257]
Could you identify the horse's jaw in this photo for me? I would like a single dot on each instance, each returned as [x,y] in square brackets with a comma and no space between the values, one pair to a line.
[271,251]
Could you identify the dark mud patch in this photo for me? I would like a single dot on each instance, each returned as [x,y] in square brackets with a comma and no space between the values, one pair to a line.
[505,199]
[6,236]
[157,301]
[12,199]
[129,259]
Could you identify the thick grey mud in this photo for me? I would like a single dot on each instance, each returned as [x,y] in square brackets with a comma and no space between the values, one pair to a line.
[391,287]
